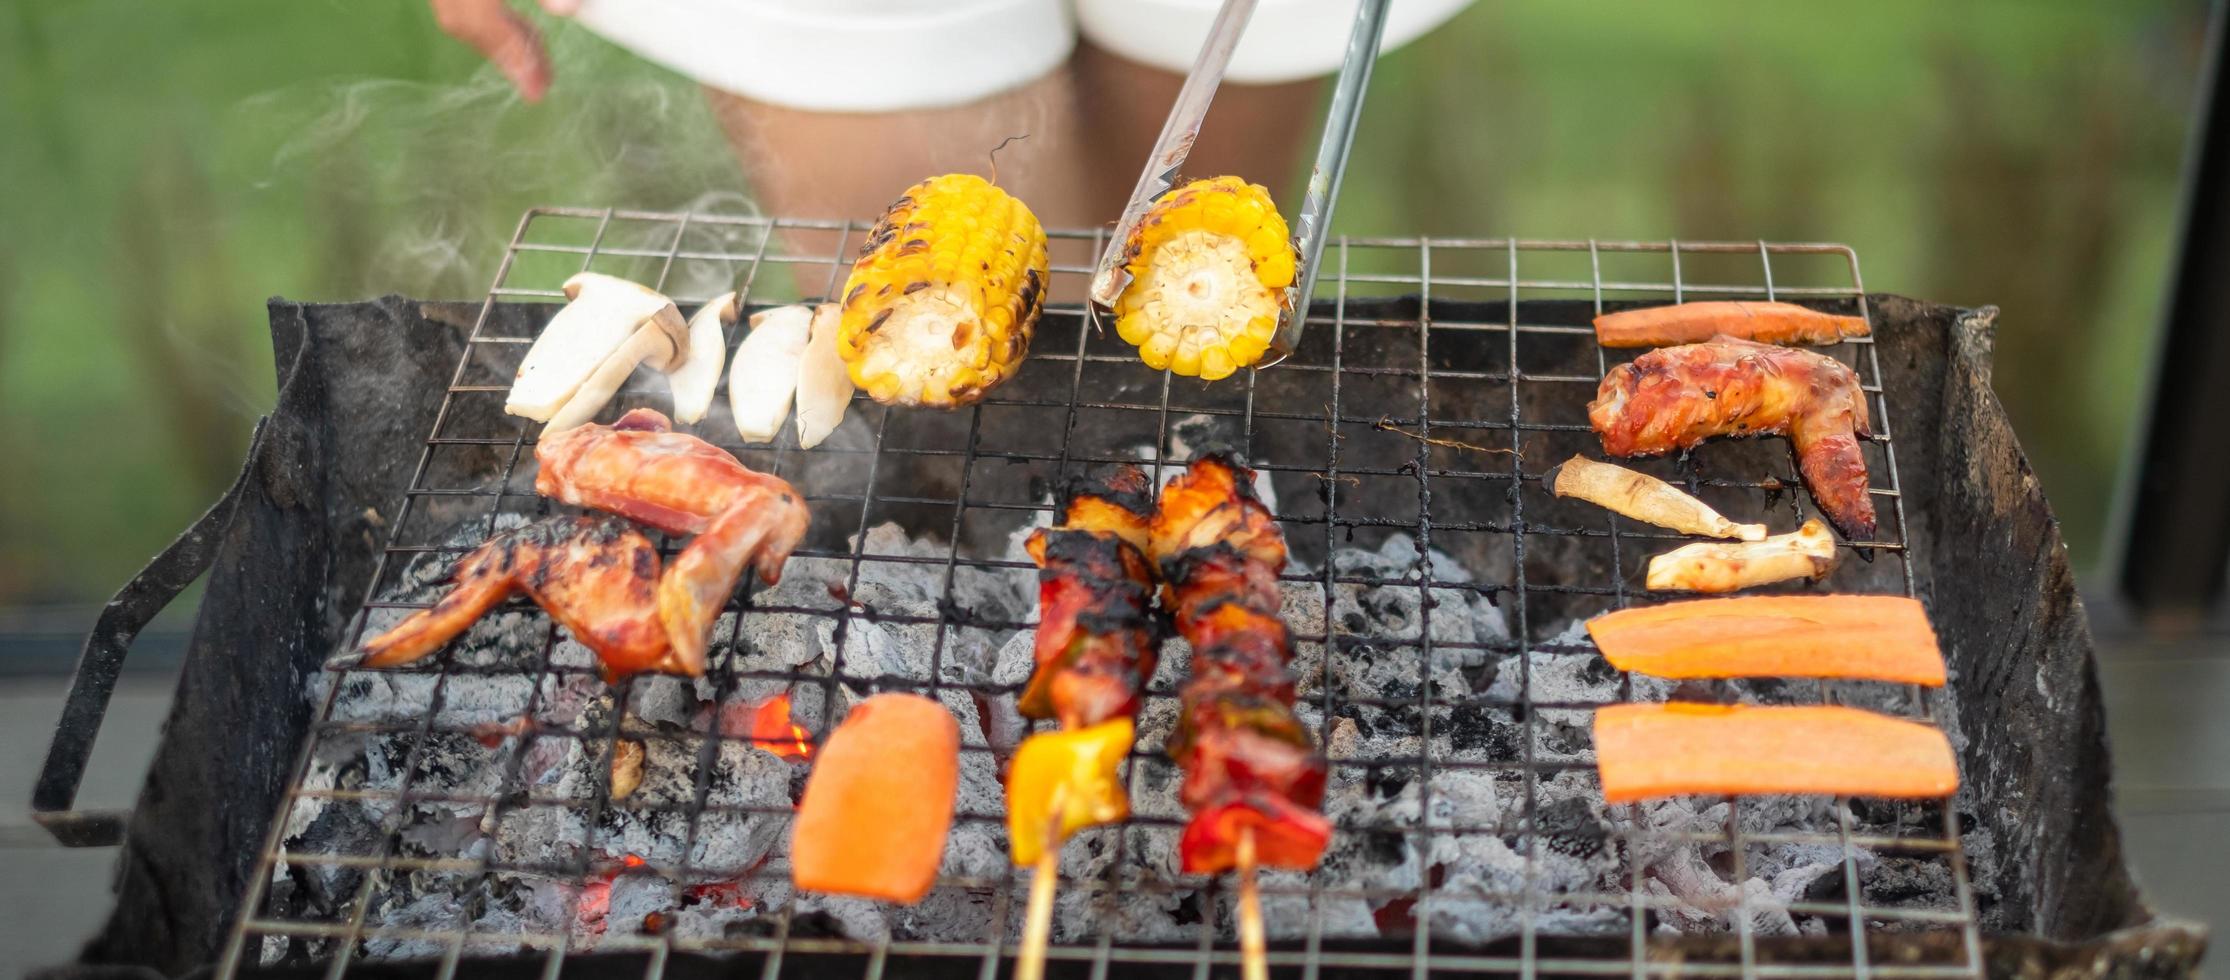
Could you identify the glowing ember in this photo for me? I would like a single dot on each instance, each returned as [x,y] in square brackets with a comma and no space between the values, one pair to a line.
[772,729]
[596,901]
[728,893]
[596,895]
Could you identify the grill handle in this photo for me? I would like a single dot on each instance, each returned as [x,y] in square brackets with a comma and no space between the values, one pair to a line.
[54,800]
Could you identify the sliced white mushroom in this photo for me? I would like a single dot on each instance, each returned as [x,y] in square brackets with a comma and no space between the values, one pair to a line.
[1644,498]
[698,377]
[764,377]
[601,315]
[1720,566]
[651,344]
[824,384]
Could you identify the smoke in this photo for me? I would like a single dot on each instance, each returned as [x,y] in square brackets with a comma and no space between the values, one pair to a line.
[416,187]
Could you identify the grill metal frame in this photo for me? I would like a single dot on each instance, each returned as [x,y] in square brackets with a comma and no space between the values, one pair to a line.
[750,245]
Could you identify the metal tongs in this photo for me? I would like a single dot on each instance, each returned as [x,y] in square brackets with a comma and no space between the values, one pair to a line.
[1183,127]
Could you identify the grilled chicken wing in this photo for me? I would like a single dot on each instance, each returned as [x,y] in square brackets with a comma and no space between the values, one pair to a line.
[595,575]
[639,467]
[1675,397]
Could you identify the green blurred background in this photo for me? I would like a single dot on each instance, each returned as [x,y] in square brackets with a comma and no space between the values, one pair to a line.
[166,167]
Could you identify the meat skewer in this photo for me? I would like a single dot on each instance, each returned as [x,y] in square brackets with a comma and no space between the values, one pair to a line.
[1673,398]
[1253,777]
[1095,647]
[639,468]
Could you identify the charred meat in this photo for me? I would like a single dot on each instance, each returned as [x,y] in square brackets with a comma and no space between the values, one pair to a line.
[1676,397]
[640,468]
[1251,766]
[597,576]
[1095,647]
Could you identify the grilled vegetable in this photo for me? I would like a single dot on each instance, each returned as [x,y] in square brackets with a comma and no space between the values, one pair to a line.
[1286,835]
[1725,566]
[1676,397]
[945,295]
[1643,751]
[765,374]
[1251,766]
[1071,773]
[694,382]
[1692,323]
[1850,637]
[824,384]
[1209,263]
[878,804]
[1644,498]
[602,315]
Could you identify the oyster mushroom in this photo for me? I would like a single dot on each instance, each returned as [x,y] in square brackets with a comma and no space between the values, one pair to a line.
[652,344]
[824,385]
[1725,566]
[764,377]
[606,320]
[694,382]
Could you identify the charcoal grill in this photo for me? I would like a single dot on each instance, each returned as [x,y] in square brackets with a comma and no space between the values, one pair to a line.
[1404,442]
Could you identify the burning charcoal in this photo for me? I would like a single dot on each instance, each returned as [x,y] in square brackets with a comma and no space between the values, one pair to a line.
[396,698]
[637,897]
[549,839]
[666,700]
[874,650]
[1906,881]
[572,700]
[1569,827]
[1467,836]
[1710,902]
[855,918]
[445,830]
[1004,726]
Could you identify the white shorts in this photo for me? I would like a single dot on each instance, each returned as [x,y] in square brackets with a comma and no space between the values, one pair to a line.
[886,55]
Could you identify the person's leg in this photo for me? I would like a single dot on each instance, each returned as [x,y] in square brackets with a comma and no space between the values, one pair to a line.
[808,164]
[803,164]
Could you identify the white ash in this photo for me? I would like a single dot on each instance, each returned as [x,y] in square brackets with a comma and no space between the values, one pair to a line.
[1489,863]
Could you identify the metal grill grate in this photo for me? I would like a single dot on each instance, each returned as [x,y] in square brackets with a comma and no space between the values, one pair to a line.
[1443,357]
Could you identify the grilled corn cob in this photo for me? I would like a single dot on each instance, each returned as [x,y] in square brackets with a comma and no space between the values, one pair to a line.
[944,297]
[1209,266]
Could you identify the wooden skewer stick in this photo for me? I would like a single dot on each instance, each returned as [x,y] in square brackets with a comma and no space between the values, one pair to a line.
[1037,925]
[1253,960]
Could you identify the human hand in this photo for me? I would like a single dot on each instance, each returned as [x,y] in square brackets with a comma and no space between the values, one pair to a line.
[505,37]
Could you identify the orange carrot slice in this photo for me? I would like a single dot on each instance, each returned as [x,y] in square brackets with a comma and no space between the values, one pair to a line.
[1848,637]
[1694,323]
[1644,751]
[879,802]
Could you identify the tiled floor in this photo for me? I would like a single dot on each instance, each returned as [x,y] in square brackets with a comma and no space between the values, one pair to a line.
[45,925]
[2168,705]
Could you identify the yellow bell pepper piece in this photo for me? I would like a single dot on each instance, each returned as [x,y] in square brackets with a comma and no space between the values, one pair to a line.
[1071,773]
